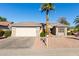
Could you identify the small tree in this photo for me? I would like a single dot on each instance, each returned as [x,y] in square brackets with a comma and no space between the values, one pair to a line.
[77,23]
[63,20]
[3,18]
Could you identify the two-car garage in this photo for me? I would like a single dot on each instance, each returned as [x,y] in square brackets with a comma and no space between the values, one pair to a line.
[25,29]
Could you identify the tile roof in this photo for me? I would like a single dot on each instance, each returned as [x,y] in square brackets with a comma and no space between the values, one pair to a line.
[58,24]
[26,24]
[5,23]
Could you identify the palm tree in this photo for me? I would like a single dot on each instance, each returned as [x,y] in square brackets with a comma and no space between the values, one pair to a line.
[46,7]
[63,20]
[77,22]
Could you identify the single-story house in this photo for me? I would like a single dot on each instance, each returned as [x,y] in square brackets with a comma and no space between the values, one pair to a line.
[26,29]
[5,25]
[57,29]
[31,29]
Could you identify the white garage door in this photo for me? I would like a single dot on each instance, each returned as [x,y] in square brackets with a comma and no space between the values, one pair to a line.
[25,32]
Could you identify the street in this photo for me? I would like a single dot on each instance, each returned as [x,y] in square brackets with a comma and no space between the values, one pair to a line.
[40,52]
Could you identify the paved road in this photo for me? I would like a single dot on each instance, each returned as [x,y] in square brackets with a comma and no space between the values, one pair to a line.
[40,52]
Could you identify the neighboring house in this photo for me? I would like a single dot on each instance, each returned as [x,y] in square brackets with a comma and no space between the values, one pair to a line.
[57,29]
[26,29]
[4,25]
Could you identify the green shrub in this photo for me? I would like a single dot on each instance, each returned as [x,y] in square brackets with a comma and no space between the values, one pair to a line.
[1,33]
[42,34]
[70,33]
[7,33]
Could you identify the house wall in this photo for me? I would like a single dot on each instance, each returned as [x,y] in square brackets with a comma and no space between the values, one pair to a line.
[13,31]
[38,32]
[57,31]
[63,33]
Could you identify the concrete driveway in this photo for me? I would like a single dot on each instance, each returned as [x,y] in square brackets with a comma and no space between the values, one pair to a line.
[15,42]
[63,42]
[60,46]
[53,42]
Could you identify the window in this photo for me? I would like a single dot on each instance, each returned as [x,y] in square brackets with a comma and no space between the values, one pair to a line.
[60,29]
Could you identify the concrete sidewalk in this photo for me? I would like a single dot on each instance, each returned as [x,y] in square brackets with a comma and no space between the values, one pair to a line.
[40,52]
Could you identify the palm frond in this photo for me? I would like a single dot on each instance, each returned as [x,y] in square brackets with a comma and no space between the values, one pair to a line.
[76,20]
[47,6]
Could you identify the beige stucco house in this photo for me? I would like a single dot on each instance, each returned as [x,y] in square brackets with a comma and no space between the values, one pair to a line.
[31,29]
[26,29]
[59,29]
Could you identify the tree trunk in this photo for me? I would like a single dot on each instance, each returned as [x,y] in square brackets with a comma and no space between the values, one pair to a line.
[47,29]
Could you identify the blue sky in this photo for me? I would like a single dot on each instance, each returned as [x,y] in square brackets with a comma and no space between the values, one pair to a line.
[30,12]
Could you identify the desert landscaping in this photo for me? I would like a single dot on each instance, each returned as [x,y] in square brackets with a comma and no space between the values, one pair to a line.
[39,37]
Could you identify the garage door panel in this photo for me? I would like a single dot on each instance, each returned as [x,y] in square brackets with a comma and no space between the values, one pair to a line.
[26,32]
